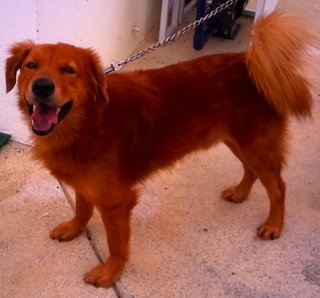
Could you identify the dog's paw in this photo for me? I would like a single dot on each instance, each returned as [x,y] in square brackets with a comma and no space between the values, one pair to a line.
[66,231]
[104,275]
[269,231]
[232,194]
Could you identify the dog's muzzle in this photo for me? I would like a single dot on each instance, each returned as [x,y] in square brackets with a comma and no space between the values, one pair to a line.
[44,113]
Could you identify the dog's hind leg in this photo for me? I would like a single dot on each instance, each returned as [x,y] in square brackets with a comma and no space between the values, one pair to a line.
[266,162]
[240,192]
[275,187]
[262,159]
[73,228]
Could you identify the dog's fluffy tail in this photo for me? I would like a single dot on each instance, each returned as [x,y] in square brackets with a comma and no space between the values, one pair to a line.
[275,61]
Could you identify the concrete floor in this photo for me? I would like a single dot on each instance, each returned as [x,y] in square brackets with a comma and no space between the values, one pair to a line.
[186,242]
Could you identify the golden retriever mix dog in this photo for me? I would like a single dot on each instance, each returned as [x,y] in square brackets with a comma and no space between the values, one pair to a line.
[102,134]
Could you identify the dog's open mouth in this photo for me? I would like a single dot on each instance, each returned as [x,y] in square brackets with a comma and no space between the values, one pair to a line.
[45,118]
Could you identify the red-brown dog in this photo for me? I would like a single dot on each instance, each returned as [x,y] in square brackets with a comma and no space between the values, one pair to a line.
[103,134]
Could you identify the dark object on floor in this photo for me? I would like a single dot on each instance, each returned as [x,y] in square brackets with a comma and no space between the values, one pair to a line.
[4,138]
[222,25]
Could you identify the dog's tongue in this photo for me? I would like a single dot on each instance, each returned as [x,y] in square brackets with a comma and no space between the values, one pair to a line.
[43,117]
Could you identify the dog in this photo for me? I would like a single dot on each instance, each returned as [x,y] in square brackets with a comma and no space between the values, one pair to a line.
[104,134]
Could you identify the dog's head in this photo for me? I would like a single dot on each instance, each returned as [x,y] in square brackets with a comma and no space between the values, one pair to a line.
[54,79]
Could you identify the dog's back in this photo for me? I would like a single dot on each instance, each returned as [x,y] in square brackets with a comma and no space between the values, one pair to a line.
[191,105]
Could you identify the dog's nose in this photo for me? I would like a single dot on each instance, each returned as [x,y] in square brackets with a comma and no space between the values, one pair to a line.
[43,87]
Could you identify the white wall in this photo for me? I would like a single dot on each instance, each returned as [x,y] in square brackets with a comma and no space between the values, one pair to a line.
[105,25]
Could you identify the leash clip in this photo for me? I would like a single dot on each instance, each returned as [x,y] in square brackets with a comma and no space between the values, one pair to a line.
[115,66]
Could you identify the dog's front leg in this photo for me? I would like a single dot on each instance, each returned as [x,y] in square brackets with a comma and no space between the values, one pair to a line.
[68,230]
[117,224]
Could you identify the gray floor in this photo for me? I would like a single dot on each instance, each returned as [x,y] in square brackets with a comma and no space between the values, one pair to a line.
[186,242]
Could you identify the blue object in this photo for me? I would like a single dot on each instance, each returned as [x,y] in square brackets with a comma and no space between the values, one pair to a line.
[222,24]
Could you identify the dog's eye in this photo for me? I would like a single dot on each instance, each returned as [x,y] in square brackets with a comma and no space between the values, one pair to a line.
[69,70]
[31,65]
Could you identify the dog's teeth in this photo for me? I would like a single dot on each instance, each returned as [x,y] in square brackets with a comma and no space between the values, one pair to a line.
[34,107]
[58,110]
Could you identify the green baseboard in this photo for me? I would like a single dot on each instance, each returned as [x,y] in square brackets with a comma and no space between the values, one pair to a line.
[4,138]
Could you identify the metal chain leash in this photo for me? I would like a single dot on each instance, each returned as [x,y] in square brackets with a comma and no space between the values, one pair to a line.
[116,65]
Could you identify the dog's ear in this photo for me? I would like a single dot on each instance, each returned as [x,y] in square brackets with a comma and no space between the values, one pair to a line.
[98,77]
[18,52]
